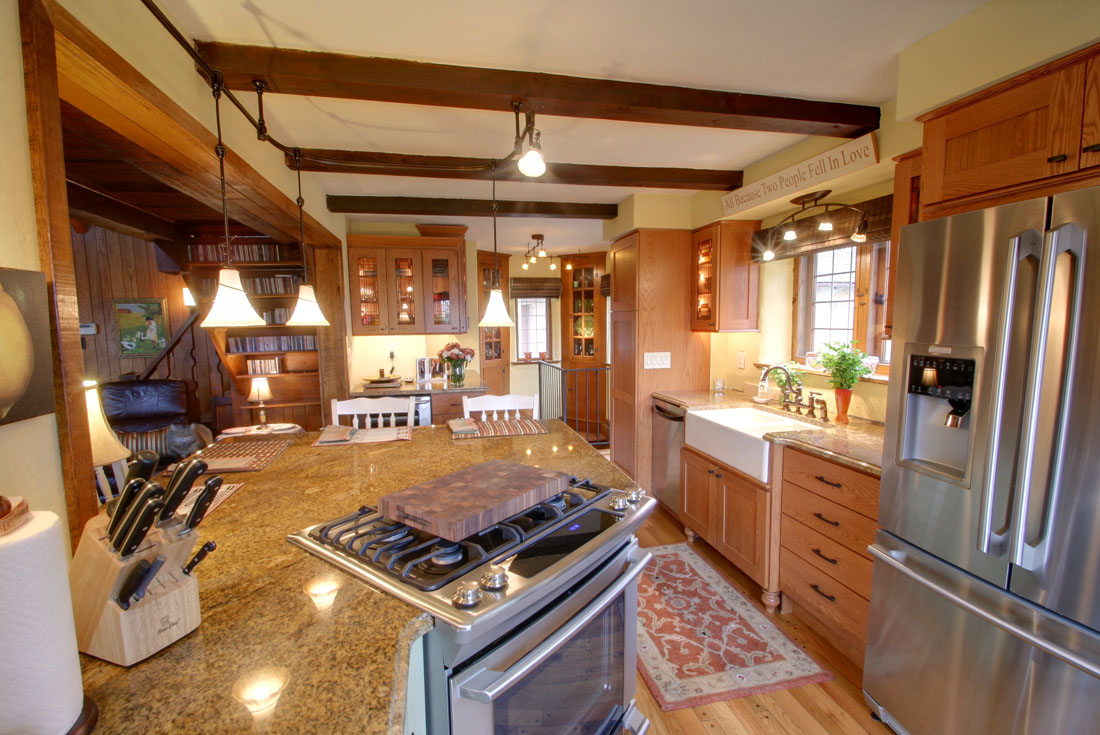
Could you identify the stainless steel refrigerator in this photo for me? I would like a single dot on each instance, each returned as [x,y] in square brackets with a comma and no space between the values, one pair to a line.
[985,603]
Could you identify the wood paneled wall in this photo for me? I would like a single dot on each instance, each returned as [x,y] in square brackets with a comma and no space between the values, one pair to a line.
[111,266]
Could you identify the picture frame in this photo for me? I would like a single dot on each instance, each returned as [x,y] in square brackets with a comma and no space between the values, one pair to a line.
[142,326]
[26,354]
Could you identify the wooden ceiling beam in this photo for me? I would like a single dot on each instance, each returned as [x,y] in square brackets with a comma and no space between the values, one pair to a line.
[454,167]
[468,207]
[324,74]
[97,208]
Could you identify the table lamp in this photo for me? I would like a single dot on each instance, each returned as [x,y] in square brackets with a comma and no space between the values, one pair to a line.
[260,392]
[106,448]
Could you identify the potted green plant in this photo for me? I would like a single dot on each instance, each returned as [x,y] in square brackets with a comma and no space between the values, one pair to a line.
[845,364]
[795,370]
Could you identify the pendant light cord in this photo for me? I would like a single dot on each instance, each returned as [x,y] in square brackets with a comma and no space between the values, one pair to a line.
[216,87]
[301,217]
[496,258]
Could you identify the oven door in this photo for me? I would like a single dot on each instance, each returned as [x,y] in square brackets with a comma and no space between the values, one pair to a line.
[571,672]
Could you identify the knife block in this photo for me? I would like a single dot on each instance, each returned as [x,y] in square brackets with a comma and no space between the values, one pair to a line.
[168,612]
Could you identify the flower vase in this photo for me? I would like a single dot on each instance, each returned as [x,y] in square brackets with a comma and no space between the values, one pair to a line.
[458,373]
[843,400]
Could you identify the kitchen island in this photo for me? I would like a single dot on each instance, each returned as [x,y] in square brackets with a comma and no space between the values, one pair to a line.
[345,665]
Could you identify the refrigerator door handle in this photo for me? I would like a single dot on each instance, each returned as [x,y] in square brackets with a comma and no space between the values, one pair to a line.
[1088,665]
[994,541]
[1031,554]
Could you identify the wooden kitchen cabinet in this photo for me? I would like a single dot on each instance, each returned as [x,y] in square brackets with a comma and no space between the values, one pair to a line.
[724,281]
[624,273]
[906,211]
[728,509]
[407,285]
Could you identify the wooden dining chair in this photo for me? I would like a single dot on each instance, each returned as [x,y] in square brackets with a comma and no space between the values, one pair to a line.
[375,410]
[510,404]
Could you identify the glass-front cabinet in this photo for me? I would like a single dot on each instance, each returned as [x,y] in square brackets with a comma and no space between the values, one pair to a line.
[705,303]
[724,279]
[584,309]
[406,290]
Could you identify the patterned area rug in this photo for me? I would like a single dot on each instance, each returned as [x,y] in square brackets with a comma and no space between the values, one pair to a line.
[702,641]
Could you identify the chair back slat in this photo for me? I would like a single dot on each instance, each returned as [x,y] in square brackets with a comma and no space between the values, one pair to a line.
[490,407]
[376,409]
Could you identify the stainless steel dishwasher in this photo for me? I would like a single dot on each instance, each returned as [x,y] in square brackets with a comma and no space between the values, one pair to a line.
[668,437]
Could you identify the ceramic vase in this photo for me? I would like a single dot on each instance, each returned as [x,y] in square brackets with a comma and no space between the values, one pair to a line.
[843,400]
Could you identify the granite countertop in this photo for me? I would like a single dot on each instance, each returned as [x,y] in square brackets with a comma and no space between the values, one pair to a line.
[857,445]
[347,664]
[472,384]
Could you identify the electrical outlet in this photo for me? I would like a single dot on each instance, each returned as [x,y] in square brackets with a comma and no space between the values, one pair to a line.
[89,328]
[740,360]
[657,360]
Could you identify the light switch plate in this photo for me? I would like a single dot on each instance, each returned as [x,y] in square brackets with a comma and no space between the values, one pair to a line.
[89,328]
[740,360]
[657,360]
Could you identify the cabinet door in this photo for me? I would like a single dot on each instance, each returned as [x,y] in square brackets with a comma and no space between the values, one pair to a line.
[704,280]
[443,292]
[1021,134]
[696,489]
[624,274]
[741,521]
[583,312]
[623,389]
[1090,121]
[738,275]
[369,291]
[906,211]
[406,291]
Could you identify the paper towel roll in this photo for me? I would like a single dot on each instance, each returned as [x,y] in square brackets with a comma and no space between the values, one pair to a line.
[40,688]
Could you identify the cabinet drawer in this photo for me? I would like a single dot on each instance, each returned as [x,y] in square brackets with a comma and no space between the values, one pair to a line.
[850,568]
[851,489]
[826,598]
[844,526]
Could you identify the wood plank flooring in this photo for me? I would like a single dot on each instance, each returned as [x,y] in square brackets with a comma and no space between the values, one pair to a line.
[834,707]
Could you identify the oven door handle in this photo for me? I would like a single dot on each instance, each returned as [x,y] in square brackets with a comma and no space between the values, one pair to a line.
[638,557]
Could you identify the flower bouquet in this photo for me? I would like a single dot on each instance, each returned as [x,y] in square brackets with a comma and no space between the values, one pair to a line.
[455,356]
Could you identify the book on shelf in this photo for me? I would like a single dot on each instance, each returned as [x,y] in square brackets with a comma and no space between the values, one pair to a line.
[277,317]
[265,366]
[274,343]
[271,285]
[238,253]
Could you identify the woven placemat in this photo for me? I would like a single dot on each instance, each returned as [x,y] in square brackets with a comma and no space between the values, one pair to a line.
[513,427]
[249,455]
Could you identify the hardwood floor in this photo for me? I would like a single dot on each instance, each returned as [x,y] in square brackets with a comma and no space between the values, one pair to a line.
[834,707]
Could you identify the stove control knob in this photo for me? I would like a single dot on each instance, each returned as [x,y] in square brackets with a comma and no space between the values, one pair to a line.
[468,594]
[495,579]
[635,495]
[619,502]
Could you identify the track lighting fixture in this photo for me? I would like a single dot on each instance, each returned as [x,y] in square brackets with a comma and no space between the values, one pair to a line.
[806,203]
[860,235]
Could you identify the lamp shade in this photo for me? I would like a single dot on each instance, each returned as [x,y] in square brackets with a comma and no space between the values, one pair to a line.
[532,163]
[188,298]
[261,391]
[106,448]
[231,307]
[307,313]
[496,313]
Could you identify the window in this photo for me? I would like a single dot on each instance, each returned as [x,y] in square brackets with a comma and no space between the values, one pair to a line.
[532,328]
[842,297]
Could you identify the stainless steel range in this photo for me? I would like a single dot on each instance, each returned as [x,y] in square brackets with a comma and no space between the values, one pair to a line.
[536,616]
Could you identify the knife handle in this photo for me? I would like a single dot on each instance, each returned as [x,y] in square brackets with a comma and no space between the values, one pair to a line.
[180,485]
[199,556]
[149,574]
[117,509]
[131,583]
[142,466]
[137,531]
[151,490]
[198,510]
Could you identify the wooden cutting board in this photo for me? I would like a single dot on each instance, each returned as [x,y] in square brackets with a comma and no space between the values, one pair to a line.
[461,504]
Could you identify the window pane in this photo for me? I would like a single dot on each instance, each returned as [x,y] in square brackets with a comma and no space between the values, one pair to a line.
[823,262]
[532,328]
[832,309]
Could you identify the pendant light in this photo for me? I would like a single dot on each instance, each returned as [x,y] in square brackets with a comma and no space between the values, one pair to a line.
[307,312]
[496,313]
[231,307]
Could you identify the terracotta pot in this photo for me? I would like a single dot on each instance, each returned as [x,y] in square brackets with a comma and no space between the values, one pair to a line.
[843,400]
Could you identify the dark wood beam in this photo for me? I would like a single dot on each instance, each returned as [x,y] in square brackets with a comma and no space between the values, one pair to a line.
[100,209]
[324,74]
[469,207]
[454,167]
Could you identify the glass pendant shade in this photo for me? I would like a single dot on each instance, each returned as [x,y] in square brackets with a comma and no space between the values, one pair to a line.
[307,313]
[825,226]
[768,255]
[525,266]
[106,448]
[496,314]
[231,307]
[532,163]
[790,234]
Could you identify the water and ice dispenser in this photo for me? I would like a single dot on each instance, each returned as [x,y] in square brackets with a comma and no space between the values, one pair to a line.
[937,434]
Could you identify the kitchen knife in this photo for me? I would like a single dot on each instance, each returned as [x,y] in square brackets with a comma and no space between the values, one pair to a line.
[131,583]
[151,490]
[182,480]
[143,465]
[136,532]
[199,556]
[151,572]
[198,510]
[125,498]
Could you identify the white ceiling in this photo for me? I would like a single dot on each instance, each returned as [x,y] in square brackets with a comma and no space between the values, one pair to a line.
[841,51]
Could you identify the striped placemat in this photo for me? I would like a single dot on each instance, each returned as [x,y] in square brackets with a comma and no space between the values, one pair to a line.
[514,427]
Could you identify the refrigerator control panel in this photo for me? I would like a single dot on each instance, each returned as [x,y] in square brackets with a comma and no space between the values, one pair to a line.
[942,377]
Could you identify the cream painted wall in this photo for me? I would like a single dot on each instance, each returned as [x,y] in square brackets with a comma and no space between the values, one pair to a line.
[990,44]
[657,211]
[29,450]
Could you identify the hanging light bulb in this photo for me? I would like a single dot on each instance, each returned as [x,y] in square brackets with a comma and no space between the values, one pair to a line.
[768,255]
[496,313]
[532,163]
[860,235]
[525,266]
[568,266]
[532,259]
[307,312]
[826,224]
[789,233]
[553,265]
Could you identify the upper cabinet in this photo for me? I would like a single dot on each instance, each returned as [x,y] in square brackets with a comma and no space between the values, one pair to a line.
[1036,127]
[724,278]
[404,285]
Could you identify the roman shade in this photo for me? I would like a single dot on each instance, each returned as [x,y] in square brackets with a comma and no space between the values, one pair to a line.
[534,288]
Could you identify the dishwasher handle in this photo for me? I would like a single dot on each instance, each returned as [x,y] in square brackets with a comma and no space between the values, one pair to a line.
[666,414]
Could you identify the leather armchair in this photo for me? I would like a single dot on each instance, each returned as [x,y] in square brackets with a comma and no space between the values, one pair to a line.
[144,405]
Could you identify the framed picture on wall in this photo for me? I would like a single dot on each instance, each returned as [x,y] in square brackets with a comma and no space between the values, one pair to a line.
[142,326]
[26,355]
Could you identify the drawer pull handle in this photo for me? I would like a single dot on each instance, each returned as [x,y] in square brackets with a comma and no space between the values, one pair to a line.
[710,472]
[823,518]
[1057,159]
[1091,148]
[821,478]
[719,475]
[830,598]
[831,561]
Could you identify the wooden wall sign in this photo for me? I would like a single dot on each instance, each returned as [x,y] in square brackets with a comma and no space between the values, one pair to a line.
[852,156]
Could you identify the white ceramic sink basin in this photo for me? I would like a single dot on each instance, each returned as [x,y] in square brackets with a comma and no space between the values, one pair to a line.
[735,436]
